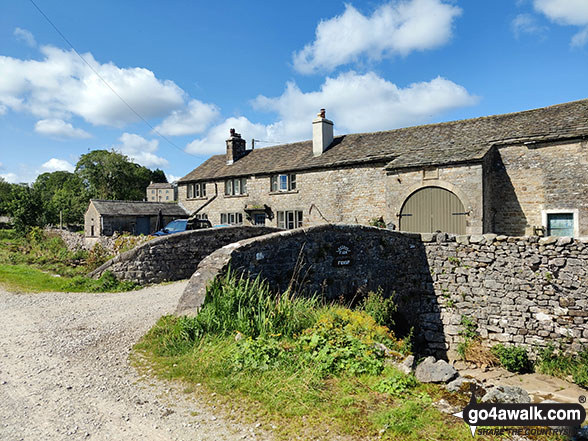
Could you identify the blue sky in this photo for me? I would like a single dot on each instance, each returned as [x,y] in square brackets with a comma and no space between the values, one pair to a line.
[195,69]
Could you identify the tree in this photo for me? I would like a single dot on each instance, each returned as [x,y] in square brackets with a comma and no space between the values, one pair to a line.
[110,175]
[158,176]
[62,192]
[5,190]
[25,207]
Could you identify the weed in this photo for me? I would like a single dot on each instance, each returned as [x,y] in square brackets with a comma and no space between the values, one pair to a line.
[381,309]
[513,358]
[397,384]
[454,261]
[469,334]
[559,364]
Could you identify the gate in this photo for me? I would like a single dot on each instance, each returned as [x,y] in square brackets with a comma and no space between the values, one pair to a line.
[432,209]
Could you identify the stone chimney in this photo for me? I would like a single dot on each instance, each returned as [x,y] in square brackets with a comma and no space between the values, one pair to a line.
[322,134]
[235,147]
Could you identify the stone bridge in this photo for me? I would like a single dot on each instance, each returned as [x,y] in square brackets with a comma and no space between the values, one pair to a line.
[522,290]
[175,256]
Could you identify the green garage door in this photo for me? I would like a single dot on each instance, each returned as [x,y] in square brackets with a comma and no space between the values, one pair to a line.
[432,209]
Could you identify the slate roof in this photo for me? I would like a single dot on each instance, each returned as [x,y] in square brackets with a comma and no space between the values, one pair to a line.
[434,144]
[160,185]
[137,208]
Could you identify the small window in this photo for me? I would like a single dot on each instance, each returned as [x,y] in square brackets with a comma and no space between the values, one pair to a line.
[197,190]
[167,198]
[232,218]
[560,224]
[283,182]
[202,216]
[236,186]
[152,191]
[290,219]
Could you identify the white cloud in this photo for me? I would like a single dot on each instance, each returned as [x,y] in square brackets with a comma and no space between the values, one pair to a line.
[355,103]
[398,27]
[57,128]
[359,103]
[25,36]
[214,142]
[3,109]
[62,85]
[141,150]
[10,177]
[567,12]
[55,164]
[196,117]
[172,178]
[526,24]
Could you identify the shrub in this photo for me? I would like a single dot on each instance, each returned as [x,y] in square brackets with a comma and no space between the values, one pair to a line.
[377,222]
[343,340]
[513,358]
[397,384]
[382,310]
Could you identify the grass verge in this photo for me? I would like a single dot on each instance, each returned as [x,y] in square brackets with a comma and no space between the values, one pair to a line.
[311,370]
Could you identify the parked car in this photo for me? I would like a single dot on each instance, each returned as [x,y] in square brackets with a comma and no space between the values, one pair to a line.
[179,225]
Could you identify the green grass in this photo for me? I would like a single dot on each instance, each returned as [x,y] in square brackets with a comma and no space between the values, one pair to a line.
[562,365]
[24,278]
[38,262]
[308,368]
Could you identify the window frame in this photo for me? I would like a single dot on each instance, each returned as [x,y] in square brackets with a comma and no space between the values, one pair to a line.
[236,187]
[283,182]
[195,190]
[231,218]
[289,219]
[575,216]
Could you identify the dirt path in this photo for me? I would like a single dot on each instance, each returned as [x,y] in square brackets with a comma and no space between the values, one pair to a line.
[64,372]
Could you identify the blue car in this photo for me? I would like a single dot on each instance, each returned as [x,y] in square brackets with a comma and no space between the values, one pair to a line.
[179,225]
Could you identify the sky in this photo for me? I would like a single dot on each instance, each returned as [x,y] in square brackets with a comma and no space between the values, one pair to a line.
[163,82]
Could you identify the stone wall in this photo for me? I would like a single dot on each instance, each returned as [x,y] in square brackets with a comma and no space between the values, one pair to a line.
[175,256]
[520,290]
[529,180]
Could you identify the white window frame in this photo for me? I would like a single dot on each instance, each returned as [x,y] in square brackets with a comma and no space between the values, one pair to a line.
[290,219]
[573,211]
[236,187]
[283,182]
[233,218]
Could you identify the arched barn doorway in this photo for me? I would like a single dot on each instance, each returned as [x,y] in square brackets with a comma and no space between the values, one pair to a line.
[432,209]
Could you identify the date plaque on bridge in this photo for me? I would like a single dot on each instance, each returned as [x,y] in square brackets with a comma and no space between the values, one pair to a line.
[343,256]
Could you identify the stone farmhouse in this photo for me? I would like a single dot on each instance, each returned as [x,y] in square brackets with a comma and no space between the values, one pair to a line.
[161,192]
[522,173]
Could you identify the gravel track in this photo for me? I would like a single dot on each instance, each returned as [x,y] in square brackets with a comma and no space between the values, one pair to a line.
[65,374]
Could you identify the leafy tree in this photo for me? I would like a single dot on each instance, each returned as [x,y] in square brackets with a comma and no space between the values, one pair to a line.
[158,176]
[110,175]
[25,207]
[5,190]
[64,192]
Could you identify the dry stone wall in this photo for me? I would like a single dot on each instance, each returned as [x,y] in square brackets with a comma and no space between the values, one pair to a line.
[175,256]
[517,290]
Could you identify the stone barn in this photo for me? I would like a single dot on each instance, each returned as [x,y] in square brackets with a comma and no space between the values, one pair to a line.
[103,218]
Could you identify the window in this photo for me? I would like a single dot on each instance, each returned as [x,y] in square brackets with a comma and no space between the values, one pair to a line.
[283,182]
[232,218]
[196,190]
[167,198]
[560,224]
[152,191]
[235,186]
[259,219]
[290,219]
[202,216]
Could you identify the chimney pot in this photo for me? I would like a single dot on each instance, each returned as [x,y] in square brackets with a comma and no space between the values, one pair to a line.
[322,133]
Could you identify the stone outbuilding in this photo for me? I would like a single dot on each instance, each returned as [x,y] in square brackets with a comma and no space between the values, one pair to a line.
[522,173]
[103,218]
